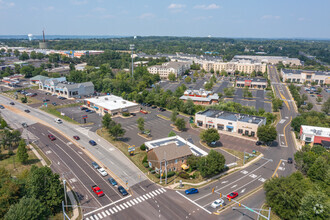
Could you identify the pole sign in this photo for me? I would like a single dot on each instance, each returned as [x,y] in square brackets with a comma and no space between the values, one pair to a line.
[84,116]
[131,150]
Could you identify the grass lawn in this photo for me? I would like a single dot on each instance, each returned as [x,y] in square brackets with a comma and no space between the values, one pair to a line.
[48,162]
[7,162]
[53,110]
[273,216]
[240,155]
[164,117]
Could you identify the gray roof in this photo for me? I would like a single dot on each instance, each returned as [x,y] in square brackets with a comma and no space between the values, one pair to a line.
[39,78]
[252,79]
[172,151]
[75,85]
[298,72]
[231,116]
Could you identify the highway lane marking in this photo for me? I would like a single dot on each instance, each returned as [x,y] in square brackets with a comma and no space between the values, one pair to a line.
[248,183]
[253,176]
[225,181]
[286,143]
[234,186]
[43,134]
[281,121]
[107,182]
[242,171]
[234,181]
[281,168]
[194,202]
[279,163]
[262,180]
[243,190]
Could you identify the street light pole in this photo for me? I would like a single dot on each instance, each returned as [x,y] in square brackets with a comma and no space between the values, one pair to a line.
[66,202]
[131,46]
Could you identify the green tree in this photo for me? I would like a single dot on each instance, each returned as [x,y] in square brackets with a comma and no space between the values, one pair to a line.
[284,194]
[319,90]
[208,86]
[314,205]
[51,195]
[116,131]
[209,135]
[326,106]
[171,134]
[229,92]
[187,79]
[33,55]
[318,170]
[309,106]
[24,99]
[192,162]
[211,164]
[194,80]
[106,121]
[189,107]
[267,133]
[171,77]
[28,209]
[277,104]
[22,155]
[174,115]
[16,53]
[140,122]
[220,95]
[180,124]
[319,99]
[196,75]
[24,56]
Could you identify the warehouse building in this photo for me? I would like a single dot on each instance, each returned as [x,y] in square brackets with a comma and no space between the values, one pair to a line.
[228,121]
[111,104]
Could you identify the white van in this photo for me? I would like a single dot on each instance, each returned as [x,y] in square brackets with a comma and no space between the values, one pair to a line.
[58,120]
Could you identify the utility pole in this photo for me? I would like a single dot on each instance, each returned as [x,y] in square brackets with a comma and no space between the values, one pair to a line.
[131,46]
[66,202]
[160,172]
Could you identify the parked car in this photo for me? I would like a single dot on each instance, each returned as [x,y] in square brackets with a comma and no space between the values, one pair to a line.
[133,114]
[24,125]
[122,190]
[54,104]
[217,203]
[258,143]
[97,190]
[232,195]
[112,181]
[102,171]
[191,191]
[12,103]
[27,110]
[153,107]
[47,93]
[54,94]
[45,100]
[51,137]
[88,110]
[2,107]
[58,120]
[76,137]
[319,95]
[83,108]
[148,105]
[312,95]
[91,142]
[95,165]
[290,160]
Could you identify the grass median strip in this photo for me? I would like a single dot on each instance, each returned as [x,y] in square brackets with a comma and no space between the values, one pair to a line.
[48,162]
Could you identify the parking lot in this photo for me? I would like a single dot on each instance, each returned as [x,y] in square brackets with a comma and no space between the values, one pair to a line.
[313,96]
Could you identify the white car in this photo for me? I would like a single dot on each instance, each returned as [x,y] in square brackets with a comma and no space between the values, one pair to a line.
[58,120]
[102,171]
[217,203]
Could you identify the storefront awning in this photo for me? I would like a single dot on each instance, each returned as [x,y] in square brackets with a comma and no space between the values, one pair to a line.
[184,166]
[230,126]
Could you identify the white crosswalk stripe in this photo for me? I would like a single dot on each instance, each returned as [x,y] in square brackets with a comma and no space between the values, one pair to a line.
[111,211]
[121,206]
[104,215]
[114,209]
[145,197]
[118,208]
[138,199]
[154,193]
[132,202]
[164,190]
[96,217]
[128,204]
[135,201]
[108,213]
[125,205]
[148,195]
[92,218]
[99,215]
[87,218]
[141,198]
[157,191]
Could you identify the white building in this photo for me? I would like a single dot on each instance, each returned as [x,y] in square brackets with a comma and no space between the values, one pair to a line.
[246,66]
[315,135]
[269,59]
[178,68]
[111,104]
[308,76]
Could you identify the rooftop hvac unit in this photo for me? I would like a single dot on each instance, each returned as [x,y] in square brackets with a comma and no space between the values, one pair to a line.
[105,98]
[124,102]
[254,118]
[250,120]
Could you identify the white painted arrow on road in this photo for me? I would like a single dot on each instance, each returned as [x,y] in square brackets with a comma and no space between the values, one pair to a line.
[234,186]
[224,182]
[243,190]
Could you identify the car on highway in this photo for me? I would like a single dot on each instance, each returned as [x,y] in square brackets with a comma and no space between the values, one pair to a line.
[91,142]
[112,181]
[102,171]
[232,195]
[122,190]
[217,203]
[76,137]
[2,107]
[191,191]
[24,125]
[95,165]
[27,110]
[290,160]
[58,120]
[51,137]
[12,103]
[98,191]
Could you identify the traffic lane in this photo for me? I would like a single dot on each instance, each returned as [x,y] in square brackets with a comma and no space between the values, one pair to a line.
[83,193]
[87,174]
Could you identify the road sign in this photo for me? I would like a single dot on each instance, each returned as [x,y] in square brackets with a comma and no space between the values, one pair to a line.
[130,149]
[84,116]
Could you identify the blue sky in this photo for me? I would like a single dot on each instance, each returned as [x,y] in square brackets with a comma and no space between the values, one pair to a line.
[218,18]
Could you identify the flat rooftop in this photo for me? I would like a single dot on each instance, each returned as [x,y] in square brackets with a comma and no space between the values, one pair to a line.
[231,116]
[111,102]
[318,131]
[179,141]
[252,79]
[298,72]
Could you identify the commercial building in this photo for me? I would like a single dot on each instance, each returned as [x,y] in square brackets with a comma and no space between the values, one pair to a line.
[228,121]
[66,89]
[246,66]
[255,83]
[37,79]
[178,68]
[314,135]
[308,76]
[200,97]
[111,104]
[269,59]
[174,150]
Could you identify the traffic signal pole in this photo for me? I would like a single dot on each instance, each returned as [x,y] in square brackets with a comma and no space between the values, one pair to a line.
[252,210]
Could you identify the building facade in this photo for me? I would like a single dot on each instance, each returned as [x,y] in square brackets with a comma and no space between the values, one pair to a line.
[314,135]
[228,121]
[308,76]
[245,66]
[111,104]
[255,83]
[270,59]
[178,68]
[200,97]
[66,89]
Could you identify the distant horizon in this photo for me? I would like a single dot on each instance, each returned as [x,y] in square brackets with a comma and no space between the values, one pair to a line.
[104,36]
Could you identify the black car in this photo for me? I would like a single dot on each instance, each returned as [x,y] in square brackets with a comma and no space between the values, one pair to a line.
[148,105]
[12,103]
[258,143]
[153,107]
[27,110]
[162,110]
[95,165]
[290,160]
[83,108]
[93,143]
[24,125]
[2,107]
[45,100]
[133,114]
[54,104]
[122,190]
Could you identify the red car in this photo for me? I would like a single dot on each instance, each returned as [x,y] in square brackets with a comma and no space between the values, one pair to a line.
[52,137]
[319,95]
[76,137]
[232,195]
[97,190]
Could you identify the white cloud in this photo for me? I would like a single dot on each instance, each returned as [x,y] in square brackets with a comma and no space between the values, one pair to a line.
[201,18]
[146,16]
[79,2]
[107,16]
[301,19]
[207,7]
[4,4]
[99,9]
[270,17]
[50,8]
[176,6]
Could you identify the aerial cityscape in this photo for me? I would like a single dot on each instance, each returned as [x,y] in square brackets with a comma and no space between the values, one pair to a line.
[164,110]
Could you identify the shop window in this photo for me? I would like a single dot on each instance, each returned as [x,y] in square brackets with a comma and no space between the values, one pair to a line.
[246,132]
[240,131]
[253,133]
[200,123]
[176,161]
